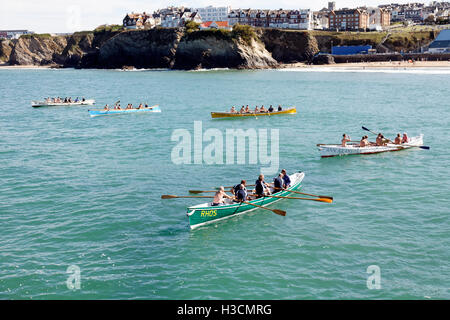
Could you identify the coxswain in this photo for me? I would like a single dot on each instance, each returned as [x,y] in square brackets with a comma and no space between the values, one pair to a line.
[398,139]
[261,187]
[286,179]
[219,197]
[345,139]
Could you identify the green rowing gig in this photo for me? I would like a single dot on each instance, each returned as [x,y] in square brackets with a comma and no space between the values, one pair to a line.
[205,213]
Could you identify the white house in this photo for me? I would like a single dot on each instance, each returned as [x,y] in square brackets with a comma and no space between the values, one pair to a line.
[211,13]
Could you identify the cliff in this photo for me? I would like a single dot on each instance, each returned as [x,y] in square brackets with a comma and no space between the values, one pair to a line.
[242,48]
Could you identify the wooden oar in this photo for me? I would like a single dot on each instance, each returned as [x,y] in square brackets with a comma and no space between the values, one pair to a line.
[306,194]
[169,196]
[407,145]
[279,212]
[318,199]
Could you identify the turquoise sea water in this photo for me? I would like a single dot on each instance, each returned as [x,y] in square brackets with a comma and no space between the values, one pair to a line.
[84,191]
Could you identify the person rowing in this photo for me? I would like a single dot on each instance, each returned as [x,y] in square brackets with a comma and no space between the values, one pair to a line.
[286,179]
[241,194]
[345,139]
[242,110]
[271,108]
[280,108]
[256,109]
[140,106]
[278,183]
[405,138]
[398,139]
[106,108]
[219,197]
[146,106]
[261,187]
[236,188]
[262,109]
[247,109]
[364,142]
[233,109]
[380,141]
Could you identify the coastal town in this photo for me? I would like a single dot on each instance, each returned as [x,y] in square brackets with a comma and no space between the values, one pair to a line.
[332,35]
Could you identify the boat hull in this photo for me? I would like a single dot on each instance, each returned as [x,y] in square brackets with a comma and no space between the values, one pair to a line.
[37,104]
[292,110]
[327,151]
[205,213]
[96,113]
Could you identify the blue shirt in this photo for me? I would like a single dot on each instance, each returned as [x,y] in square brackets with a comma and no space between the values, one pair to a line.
[241,195]
[287,180]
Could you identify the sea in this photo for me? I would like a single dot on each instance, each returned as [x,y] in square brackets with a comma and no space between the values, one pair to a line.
[81,214]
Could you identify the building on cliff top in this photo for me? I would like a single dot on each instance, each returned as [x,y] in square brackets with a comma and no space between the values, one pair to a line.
[349,20]
[211,13]
[441,44]
[13,34]
[141,20]
[215,25]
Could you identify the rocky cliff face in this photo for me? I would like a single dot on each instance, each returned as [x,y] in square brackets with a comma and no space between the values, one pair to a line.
[6,47]
[37,50]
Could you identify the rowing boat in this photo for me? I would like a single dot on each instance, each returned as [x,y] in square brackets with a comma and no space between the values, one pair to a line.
[37,104]
[205,213]
[332,150]
[252,114]
[96,113]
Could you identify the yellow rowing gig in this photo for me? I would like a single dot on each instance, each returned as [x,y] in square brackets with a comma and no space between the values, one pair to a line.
[291,110]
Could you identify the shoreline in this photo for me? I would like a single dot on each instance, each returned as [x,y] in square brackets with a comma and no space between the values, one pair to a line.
[302,65]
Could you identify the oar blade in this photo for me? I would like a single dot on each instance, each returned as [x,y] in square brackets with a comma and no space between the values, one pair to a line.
[195,191]
[168,196]
[326,197]
[279,212]
[425,147]
[324,200]
[364,128]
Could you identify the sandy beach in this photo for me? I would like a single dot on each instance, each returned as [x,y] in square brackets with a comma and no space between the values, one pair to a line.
[374,65]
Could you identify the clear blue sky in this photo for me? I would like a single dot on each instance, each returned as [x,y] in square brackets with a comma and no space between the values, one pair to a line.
[68,16]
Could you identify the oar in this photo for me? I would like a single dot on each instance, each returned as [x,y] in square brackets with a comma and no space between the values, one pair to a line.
[318,199]
[408,145]
[279,212]
[306,194]
[169,196]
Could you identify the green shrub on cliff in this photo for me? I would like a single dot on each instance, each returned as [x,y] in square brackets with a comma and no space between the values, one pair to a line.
[244,32]
[191,26]
[36,36]
[109,28]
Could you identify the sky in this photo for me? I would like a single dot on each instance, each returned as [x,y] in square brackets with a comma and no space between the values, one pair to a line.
[51,16]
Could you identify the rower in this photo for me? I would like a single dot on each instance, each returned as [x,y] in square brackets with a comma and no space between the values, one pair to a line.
[345,139]
[363,143]
[242,194]
[140,106]
[247,109]
[280,108]
[233,109]
[106,108]
[242,110]
[286,179]
[262,109]
[398,139]
[146,106]
[219,197]
[405,138]
[278,183]
[256,109]
[236,188]
[380,140]
[271,108]
[261,187]
[83,99]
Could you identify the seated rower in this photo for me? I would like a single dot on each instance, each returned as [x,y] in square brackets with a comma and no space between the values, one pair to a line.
[219,197]
[286,179]
[380,141]
[278,183]
[236,188]
[106,108]
[405,138]
[364,143]
[242,110]
[261,187]
[233,109]
[140,106]
[345,139]
[146,106]
[247,109]
[398,139]
[242,194]
[256,109]
[271,108]
[118,107]
[280,108]
[83,99]
[262,109]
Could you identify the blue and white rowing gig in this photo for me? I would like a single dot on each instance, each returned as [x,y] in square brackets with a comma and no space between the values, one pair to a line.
[96,113]
[333,150]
